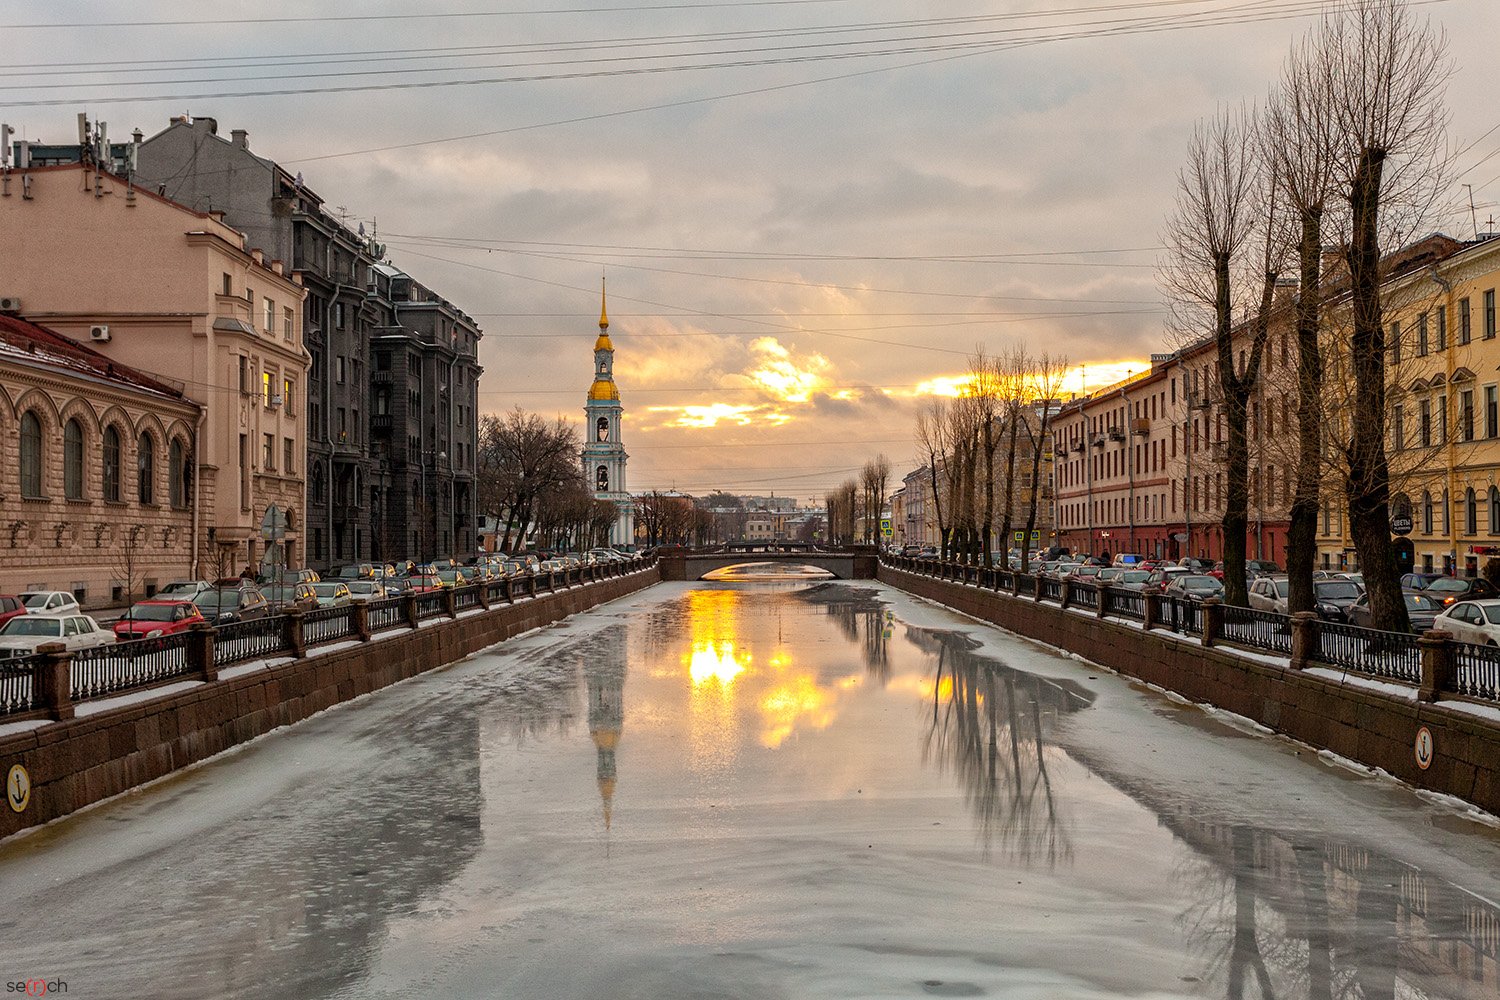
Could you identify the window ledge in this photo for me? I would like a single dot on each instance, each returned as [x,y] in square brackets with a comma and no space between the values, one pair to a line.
[27,499]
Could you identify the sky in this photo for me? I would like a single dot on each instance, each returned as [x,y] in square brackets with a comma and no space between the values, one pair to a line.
[810,213]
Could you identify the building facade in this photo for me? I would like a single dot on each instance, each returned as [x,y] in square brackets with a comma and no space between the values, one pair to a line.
[151,284]
[98,490]
[604,457]
[391,398]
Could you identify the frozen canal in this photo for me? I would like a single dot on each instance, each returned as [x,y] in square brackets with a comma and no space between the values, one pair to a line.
[761,791]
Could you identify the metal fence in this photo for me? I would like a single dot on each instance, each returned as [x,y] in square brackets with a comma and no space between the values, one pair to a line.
[16,692]
[387,614]
[430,604]
[467,597]
[103,670]
[329,625]
[1257,629]
[1369,651]
[239,642]
[1476,671]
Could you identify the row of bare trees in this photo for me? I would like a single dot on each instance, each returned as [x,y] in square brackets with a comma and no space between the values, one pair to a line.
[982,451]
[856,505]
[1348,150]
[531,483]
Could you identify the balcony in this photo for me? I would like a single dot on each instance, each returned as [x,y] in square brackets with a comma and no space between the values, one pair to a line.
[380,424]
[1098,441]
[1117,433]
[1140,426]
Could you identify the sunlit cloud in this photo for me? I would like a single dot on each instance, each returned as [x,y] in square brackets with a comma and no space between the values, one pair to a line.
[700,416]
[1075,382]
[788,378]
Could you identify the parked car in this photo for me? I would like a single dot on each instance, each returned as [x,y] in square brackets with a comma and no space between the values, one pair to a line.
[1158,579]
[1083,572]
[10,607]
[1128,559]
[185,590]
[1421,609]
[232,604]
[149,619]
[361,591]
[1132,579]
[1452,589]
[1261,567]
[421,583]
[331,593]
[21,635]
[452,577]
[1269,593]
[1332,599]
[1195,565]
[49,602]
[1195,587]
[1471,621]
[1108,575]
[291,576]
[1419,581]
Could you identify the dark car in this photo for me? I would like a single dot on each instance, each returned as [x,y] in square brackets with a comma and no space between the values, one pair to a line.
[232,604]
[286,596]
[1201,566]
[1419,581]
[1421,609]
[1452,589]
[1332,599]
[1195,587]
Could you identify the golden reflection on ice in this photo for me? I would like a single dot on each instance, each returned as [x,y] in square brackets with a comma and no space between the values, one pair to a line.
[729,679]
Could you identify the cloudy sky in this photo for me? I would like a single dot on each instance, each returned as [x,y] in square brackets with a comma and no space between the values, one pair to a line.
[809,211]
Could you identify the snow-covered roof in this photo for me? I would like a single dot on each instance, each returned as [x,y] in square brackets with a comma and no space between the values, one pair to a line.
[32,344]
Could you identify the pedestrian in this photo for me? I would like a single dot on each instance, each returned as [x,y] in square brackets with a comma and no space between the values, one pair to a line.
[246,574]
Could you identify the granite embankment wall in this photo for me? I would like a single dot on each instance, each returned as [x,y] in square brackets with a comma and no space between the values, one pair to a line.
[79,761]
[1362,723]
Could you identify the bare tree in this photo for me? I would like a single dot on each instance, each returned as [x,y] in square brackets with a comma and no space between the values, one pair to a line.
[932,425]
[874,480]
[1045,378]
[1226,243]
[522,458]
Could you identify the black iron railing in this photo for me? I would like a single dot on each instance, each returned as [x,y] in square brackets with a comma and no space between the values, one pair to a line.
[17,694]
[102,670]
[1476,671]
[387,614]
[1257,629]
[328,625]
[1369,651]
[257,639]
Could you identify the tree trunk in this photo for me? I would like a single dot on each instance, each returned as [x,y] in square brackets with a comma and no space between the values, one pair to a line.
[986,544]
[1369,473]
[1008,505]
[1302,533]
[1038,443]
[1236,519]
[937,508]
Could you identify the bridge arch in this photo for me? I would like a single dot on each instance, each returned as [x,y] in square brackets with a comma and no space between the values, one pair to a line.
[688,565]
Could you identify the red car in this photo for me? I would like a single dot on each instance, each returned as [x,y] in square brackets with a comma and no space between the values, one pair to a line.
[10,607]
[150,619]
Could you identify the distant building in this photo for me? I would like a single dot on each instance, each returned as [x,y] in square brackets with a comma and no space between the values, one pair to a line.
[604,455]
[99,495]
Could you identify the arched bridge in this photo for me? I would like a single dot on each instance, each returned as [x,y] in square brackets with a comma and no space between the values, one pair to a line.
[695,564]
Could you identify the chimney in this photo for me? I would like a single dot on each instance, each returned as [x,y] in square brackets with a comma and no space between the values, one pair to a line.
[259,255]
[241,138]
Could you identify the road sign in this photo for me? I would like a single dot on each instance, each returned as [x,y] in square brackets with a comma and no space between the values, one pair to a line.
[273,525]
[1423,749]
[18,788]
[1019,536]
[1401,524]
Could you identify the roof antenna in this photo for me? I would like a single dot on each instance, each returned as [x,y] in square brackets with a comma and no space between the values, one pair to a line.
[1473,216]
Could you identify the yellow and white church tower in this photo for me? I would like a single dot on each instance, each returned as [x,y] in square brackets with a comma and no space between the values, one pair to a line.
[604,455]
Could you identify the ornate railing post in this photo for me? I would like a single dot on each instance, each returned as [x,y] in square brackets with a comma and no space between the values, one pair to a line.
[292,636]
[507,591]
[484,594]
[1065,592]
[409,608]
[1437,665]
[1036,594]
[199,651]
[51,681]
[362,621]
[450,603]
[1213,620]
[1305,645]
[1148,611]
[1102,592]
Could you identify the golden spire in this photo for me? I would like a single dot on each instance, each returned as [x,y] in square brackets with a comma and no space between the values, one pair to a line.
[603,343]
[603,311]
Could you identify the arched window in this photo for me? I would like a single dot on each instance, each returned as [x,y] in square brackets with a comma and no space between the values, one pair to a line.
[1471,513]
[177,470]
[145,468]
[1426,513]
[31,455]
[601,480]
[1495,510]
[73,460]
[111,464]
[317,482]
[601,429]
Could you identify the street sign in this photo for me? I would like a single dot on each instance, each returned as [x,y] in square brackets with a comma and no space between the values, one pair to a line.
[1019,536]
[1401,524]
[18,788]
[273,525]
[1424,749]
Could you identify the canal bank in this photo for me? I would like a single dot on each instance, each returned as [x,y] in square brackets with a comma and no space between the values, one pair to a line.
[1376,724]
[112,746]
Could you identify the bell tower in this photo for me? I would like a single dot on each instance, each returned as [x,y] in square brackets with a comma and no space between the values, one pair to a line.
[604,455]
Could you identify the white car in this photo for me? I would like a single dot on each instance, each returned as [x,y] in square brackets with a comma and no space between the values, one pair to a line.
[364,590]
[49,602]
[1477,622]
[22,635]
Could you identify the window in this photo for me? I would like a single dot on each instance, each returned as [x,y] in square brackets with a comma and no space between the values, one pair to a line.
[1426,513]
[1489,314]
[31,455]
[111,465]
[1463,321]
[338,316]
[1494,510]
[268,322]
[250,298]
[177,473]
[339,370]
[288,394]
[73,460]
[1466,414]
[266,383]
[286,322]
[1471,513]
[145,468]
[228,286]
[1491,412]
[1442,328]
[1422,336]
[1398,428]
[1426,417]
[318,485]
[1395,344]
[288,454]
[382,400]
[268,453]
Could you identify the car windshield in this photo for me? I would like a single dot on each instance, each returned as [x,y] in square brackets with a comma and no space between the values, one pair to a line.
[1087,571]
[327,589]
[1283,587]
[1421,602]
[36,600]
[1135,576]
[26,625]
[362,587]
[182,587]
[1336,590]
[153,612]
[1200,583]
[1448,585]
[219,599]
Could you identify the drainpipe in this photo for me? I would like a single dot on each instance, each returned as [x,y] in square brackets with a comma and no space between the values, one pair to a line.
[197,485]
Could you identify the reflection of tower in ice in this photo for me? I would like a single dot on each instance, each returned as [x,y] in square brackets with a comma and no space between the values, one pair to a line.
[605,675]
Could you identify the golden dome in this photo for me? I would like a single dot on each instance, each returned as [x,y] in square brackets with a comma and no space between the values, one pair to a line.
[603,344]
[606,739]
[604,390]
